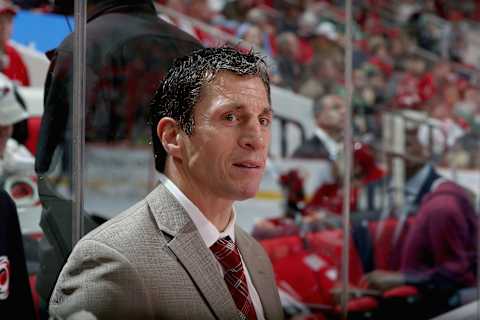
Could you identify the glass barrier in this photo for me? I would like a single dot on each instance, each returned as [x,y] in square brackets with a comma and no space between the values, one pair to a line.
[411,242]
[417,250]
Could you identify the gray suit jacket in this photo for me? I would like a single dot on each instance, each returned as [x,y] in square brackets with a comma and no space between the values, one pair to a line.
[151,263]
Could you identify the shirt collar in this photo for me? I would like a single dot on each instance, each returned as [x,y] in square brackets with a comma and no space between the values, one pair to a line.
[208,232]
[330,144]
[415,183]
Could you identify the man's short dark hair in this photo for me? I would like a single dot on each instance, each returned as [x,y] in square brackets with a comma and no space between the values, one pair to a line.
[180,90]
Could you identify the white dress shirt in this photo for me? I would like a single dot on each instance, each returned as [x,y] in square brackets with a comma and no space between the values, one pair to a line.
[210,235]
[330,144]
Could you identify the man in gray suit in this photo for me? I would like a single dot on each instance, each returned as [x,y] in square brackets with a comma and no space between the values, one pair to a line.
[178,254]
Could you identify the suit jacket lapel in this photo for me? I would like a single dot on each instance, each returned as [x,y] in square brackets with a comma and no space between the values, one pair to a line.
[258,271]
[191,251]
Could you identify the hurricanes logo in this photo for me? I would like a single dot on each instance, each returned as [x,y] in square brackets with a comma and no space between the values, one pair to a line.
[4,277]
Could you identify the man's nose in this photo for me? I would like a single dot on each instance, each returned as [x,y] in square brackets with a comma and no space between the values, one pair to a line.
[253,136]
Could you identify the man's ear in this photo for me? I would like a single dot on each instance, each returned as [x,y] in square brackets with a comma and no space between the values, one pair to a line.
[167,132]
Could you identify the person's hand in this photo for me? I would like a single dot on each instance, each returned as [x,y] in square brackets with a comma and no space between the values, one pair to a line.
[382,280]
[353,292]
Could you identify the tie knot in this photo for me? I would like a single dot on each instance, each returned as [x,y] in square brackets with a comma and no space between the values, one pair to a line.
[226,252]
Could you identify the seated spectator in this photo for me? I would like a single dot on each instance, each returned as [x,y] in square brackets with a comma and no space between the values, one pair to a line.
[329,115]
[201,11]
[409,90]
[307,23]
[14,158]
[325,78]
[263,20]
[422,29]
[434,81]
[439,255]
[252,35]
[381,57]
[288,52]
[406,9]
[11,63]
[182,23]
[291,12]
[237,10]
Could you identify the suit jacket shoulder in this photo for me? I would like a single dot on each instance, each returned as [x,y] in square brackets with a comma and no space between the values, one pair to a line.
[100,275]
[150,263]
[312,148]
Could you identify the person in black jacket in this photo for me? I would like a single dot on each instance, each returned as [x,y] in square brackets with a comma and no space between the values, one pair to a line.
[15,294]
[129,50]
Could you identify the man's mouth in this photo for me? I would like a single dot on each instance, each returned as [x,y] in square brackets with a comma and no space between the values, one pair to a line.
[249,164]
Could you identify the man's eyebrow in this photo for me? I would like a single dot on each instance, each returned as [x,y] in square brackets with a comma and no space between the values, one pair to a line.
[267,111]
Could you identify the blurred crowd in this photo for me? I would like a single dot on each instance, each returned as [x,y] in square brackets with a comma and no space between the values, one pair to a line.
[419,55]
[408,55]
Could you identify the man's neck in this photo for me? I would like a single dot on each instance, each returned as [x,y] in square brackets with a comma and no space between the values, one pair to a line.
[218,211]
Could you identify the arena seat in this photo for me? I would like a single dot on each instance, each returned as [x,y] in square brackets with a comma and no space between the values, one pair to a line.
[308,276]
[360,305]
[329,243]
[281,247]
[33,124]
[387,253]
[386,249]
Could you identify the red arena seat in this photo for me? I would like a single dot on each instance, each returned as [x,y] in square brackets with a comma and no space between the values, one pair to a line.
[33,124]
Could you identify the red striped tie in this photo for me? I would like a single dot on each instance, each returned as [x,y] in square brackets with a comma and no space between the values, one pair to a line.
[226,252]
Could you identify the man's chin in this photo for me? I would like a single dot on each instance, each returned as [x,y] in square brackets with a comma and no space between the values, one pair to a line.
[247,194]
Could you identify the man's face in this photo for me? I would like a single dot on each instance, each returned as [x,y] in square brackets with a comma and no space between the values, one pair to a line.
[416,152]
[5,134]
[332,116]
[225,155]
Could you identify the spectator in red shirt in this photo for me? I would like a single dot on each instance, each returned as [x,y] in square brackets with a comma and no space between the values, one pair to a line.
[11,62]
[433,82]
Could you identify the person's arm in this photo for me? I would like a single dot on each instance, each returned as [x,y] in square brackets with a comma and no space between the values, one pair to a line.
[449,234]
[383,280]
[57,103]
[442,254]
[100,280]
